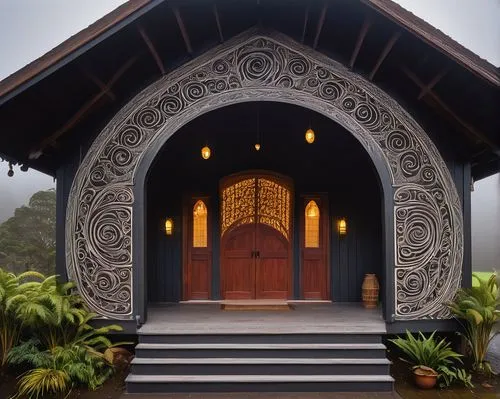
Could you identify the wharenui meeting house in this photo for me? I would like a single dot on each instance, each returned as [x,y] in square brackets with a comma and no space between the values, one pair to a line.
[235,178]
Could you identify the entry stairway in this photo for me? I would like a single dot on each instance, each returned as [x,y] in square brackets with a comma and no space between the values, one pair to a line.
[259,362]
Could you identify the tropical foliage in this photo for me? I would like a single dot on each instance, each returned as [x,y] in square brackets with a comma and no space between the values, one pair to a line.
[478,309]
[28,239]
[63,350]
[431,353]
[14,294]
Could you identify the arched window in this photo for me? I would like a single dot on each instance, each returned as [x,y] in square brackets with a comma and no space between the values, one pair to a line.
[200,225]
[312,225]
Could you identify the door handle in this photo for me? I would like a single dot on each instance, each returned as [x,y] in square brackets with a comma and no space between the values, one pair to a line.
[257,254]
[252,254]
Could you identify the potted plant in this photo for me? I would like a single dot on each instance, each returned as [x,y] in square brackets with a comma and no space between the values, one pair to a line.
[431,360]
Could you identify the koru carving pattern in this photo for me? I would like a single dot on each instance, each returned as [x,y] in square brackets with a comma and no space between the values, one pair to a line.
[428,227]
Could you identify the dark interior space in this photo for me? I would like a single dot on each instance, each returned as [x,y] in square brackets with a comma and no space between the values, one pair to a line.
[335,164]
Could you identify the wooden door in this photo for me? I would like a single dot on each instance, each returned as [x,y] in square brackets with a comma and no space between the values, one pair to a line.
[256,236]
[197,270]
[315,271]
[255,263]
[271,263]
[238,263]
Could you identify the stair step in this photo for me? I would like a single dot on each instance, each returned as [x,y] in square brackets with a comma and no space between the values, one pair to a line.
[257,361]
[312,346]
[155,338]
[273,366]
[257,383]
[232,350]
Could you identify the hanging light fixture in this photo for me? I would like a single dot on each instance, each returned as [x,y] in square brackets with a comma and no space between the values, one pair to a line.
[205,152]
[310,136]
[258,141]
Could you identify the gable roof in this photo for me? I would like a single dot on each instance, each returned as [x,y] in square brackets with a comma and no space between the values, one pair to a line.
[389,8]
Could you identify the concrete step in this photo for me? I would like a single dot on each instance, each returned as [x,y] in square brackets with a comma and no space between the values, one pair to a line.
[165,338]
[260,350]
[272,366]
[258,383]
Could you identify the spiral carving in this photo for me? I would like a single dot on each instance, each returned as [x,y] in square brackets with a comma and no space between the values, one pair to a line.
[428,231]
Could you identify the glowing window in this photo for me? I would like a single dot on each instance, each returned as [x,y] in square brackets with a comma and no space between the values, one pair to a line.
[200,225]
[312,225]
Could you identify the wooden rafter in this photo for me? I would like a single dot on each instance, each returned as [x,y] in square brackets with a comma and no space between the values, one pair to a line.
[217,20]
[152,49]
[359,42]
[468,129]
[306,20]
[385,52]
[99,83]
[433,82]
[321,22]
[82,111]
[183,29]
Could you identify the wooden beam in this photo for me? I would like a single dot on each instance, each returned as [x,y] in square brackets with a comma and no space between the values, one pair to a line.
[470,130]
[359,42]
[152,49]
[182,27]
[321,21]
[99,83]
[81,112]
[306,20]
[385,52]
[217,20]
[433,82]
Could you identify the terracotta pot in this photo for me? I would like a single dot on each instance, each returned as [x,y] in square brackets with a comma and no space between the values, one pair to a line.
[370,289]
[425,377]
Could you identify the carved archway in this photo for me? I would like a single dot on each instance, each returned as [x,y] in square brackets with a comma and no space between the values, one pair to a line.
[423,219]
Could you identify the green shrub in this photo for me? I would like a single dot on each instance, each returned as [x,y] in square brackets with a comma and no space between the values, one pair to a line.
[478,310]
[437,355]
[13,295]
[64,350]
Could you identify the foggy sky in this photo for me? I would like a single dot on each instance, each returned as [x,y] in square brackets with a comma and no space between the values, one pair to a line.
[29,28]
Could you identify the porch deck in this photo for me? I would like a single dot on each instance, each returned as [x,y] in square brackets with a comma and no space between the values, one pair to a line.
[306,318]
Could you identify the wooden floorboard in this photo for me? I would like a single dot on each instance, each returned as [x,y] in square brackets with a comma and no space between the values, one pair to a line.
[317,318]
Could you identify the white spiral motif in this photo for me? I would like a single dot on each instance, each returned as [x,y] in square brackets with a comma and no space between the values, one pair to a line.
[428,231]
[257,65]
[171,105]
[299,66]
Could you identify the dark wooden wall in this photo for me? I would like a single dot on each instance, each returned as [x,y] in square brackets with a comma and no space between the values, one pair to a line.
[336,165]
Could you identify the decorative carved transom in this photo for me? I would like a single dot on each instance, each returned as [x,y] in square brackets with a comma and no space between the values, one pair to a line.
[256,200]
[428,228]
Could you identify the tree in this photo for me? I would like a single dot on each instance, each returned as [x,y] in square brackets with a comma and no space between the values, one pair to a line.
[28,239]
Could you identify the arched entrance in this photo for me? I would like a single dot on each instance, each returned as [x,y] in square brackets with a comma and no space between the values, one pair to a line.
[423,230]
[256,243]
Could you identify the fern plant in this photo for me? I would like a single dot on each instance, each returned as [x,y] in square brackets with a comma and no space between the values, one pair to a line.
[80,367]
[478,310]
[433,354]
[53,311]
[13,295]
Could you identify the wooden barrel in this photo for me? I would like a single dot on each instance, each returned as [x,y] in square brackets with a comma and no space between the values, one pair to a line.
[370,289]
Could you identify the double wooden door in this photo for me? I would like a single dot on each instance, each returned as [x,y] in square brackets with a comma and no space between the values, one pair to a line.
[255,263]
[256,219]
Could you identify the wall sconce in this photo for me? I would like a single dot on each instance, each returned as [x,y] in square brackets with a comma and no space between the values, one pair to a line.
[342,227]
[169,227]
